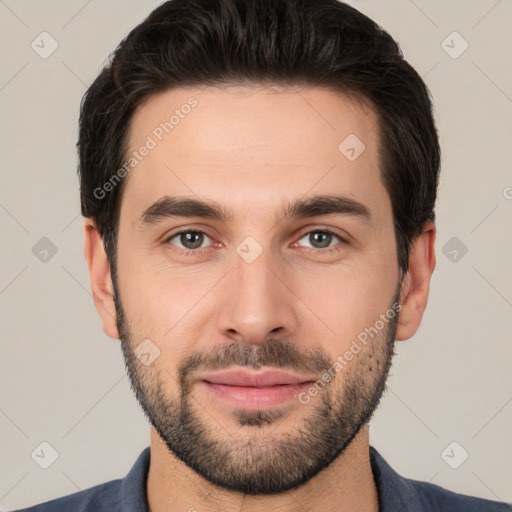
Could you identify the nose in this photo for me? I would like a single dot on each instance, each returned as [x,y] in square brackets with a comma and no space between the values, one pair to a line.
[258,301]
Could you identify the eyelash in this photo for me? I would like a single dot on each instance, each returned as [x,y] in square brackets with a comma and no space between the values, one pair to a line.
[200,251]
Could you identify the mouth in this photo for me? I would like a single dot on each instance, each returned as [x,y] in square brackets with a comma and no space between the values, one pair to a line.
[253,390]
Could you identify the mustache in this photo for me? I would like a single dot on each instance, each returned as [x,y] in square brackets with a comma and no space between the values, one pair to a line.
[275,353]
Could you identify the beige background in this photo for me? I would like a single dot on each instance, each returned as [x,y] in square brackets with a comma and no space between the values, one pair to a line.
[62,380]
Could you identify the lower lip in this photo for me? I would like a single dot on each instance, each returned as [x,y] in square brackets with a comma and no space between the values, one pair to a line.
[252,398]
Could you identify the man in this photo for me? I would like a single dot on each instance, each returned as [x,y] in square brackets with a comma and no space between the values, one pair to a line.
[258,181]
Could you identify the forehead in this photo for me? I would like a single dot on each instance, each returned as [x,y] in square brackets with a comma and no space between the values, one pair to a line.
[250,146]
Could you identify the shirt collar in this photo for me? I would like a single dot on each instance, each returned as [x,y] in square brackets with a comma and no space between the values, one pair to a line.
[133,488]
[395,492]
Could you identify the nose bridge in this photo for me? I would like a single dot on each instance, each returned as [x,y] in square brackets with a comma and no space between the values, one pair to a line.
[257,302]
[254,277]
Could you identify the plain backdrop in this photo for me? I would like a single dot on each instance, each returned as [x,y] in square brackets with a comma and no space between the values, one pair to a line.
[62,381]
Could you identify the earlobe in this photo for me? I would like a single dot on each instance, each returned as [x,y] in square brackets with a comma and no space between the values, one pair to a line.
[416,282]
[100,278]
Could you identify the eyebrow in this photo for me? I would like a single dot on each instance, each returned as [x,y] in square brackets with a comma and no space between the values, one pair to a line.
[171,207]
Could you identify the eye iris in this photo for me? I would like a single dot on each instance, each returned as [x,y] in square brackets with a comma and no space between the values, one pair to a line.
[323,238]
[193,238]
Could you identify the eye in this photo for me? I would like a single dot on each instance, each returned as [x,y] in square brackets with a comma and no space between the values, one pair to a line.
[190,240]
[322,239]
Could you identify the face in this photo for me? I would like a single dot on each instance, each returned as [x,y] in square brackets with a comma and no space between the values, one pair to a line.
[250,243]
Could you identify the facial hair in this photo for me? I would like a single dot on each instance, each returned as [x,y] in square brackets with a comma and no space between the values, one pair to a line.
[250,459]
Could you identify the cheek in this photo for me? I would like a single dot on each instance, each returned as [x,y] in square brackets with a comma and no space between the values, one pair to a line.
[343,302]
[160,299]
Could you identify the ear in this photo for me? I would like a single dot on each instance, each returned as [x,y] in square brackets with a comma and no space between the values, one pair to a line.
[101,281]
[416,282]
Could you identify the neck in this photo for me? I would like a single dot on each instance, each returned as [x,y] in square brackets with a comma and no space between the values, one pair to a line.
[347,485]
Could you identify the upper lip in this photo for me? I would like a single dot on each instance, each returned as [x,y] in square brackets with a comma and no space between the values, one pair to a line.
[258,378]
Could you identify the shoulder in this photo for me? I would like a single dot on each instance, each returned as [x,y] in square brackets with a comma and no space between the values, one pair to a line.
[102,497]
[407,495]
[122,495]
[434,497]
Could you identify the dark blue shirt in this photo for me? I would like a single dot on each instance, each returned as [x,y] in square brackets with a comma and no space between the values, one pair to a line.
[396,494]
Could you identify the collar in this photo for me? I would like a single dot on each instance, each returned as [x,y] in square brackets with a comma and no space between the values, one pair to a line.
[133,497]
[395,492]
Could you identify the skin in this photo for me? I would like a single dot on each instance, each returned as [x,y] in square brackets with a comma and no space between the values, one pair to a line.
[252,150]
